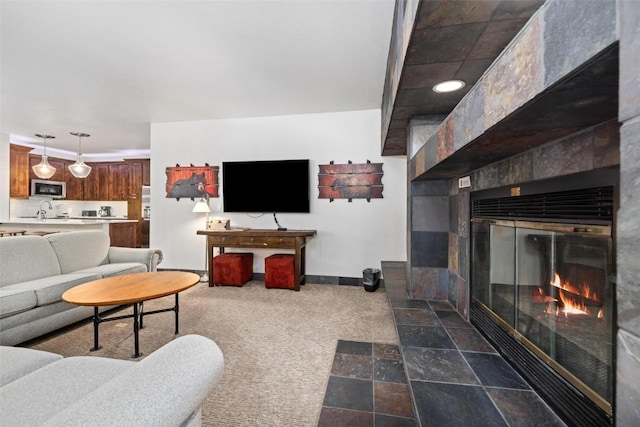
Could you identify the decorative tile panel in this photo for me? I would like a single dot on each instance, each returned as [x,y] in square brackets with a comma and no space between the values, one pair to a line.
[516,76]
[629,15]
[445,139]
[574,32]
[453,253]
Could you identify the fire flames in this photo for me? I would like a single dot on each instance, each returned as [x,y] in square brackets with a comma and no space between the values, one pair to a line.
[571,305]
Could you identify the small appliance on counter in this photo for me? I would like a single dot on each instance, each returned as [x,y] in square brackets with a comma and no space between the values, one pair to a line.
[89,213]
[146,212]
[105,211]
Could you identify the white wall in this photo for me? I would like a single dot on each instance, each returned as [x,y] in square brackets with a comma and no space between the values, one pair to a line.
[351,236]
[4,176]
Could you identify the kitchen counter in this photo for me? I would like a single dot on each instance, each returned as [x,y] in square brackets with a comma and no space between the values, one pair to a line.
[34,226]
[67,221]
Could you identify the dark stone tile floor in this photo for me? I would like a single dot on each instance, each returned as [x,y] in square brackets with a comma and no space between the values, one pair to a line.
[444,373]
[367,387]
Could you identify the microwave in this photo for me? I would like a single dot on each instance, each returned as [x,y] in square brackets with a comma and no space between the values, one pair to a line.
[44,188]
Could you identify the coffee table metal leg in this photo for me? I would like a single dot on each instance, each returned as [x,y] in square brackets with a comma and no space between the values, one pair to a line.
[96,322]
[136,329]
[177,309]
[141,315]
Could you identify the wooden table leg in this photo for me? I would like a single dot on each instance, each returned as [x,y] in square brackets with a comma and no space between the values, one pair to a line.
[210,259]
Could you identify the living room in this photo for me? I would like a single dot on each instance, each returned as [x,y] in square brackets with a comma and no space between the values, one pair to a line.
[424,217]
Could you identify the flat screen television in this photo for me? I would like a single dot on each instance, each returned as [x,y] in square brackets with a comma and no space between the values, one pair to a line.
[267,186]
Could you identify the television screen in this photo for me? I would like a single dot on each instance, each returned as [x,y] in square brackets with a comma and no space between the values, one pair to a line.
[268,186]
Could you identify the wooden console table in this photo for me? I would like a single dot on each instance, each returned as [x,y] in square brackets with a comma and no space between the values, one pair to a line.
[260,238]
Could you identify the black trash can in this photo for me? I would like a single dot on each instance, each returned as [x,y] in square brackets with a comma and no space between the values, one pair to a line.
[371,279]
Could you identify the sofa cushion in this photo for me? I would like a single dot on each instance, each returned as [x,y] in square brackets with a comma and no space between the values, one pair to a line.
[108,270]
[78,250]
[14,301]
[25,258]
[16,362]
[33,398]
[50,289]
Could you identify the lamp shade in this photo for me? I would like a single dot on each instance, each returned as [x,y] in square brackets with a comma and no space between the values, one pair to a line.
[44,169]
[201,206]
[80,169]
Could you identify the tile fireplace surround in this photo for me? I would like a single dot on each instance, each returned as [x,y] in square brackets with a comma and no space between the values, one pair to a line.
[506,139]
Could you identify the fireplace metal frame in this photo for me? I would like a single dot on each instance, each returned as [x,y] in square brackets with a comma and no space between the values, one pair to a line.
[570,402]
[585,389]
[574,229]
[574,400]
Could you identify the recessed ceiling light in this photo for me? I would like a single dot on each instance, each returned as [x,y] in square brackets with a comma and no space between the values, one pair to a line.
[448,86]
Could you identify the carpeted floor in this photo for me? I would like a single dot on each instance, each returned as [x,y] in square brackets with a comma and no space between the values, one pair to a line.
[278,344]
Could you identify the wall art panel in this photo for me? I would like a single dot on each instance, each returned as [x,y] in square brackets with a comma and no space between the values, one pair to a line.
[350,181]
[191,181]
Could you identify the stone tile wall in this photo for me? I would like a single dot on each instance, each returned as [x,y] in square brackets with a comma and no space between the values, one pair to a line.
[580,152]
[628,228]
[428,240]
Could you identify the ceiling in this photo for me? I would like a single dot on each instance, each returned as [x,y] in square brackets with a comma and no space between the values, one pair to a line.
[451,39]
[110,68]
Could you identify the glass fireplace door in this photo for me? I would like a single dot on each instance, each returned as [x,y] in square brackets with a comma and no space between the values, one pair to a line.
[494,279]
[552,285]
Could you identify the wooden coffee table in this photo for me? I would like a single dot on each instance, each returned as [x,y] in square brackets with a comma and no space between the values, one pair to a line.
[133,289]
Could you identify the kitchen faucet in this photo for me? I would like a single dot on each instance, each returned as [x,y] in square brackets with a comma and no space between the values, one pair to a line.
[42,214]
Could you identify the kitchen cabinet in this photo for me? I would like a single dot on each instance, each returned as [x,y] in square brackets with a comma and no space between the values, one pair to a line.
[146,225]
[91,184]
[120,231]
[134,174]
[118,181]
[123,234]
[74,185]
[102,176]
[108,181]
[75,188]
[19,171]
[134,196]
[146,172]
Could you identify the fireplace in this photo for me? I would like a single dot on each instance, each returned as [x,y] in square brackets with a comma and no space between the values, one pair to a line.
[543,292]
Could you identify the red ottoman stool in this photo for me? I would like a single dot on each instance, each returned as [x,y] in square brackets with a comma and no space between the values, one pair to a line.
[279,271]
[233,268]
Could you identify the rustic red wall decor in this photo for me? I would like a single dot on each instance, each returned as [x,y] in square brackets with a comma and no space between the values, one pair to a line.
[350,181]
[191,181]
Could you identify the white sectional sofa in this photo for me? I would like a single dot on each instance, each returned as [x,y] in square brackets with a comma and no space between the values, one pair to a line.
[36,270]
[167,388]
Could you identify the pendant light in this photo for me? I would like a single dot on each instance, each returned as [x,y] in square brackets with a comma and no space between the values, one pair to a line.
[44,169]
[80,169]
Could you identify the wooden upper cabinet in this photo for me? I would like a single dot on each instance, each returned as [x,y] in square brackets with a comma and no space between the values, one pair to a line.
[75,186]
[19,168]
[108,181]
[146,172]
[96,185]
[118,181]
[134,178]
[91,184]
[102,175]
